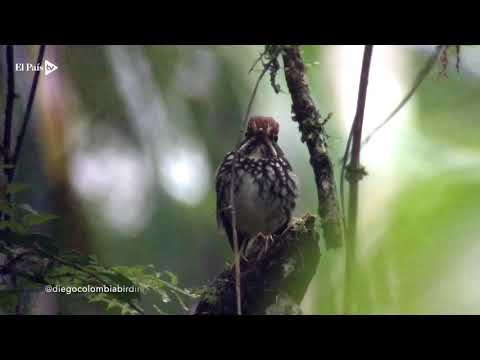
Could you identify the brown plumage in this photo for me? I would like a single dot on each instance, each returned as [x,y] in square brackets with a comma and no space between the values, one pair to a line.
[265,186]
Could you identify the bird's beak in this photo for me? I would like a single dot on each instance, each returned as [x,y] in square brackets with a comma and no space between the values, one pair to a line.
[269,143]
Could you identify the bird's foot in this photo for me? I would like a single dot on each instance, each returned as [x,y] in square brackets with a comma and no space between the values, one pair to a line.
[242,257]
[243,260]
[243,251]
[267,240]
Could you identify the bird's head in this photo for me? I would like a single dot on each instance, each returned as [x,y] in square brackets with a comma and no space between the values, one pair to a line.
[262,126]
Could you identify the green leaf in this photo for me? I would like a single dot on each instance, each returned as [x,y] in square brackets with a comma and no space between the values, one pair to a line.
[78,259]
[12,222]
[117,277]
[173,277]
[16,188]
[111,303]
[46,242]
[37,219]
[5,207]
[30,240]
[17,228]
[27,208]
[160,311]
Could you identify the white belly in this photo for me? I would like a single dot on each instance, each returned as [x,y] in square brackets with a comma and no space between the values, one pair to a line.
[255,214]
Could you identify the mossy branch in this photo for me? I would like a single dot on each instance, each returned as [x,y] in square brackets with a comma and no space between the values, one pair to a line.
[314,135]
[273,281]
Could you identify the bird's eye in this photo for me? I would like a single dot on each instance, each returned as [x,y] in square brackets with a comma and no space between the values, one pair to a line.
[275,138]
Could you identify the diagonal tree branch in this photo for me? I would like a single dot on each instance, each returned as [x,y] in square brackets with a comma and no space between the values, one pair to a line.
[273,283]
[314,135]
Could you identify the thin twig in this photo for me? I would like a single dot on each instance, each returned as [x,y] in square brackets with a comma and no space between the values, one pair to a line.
[7,140]
[28,112]
[457,64]
[342,176]
[236,251]
[418,81]
[356,173]
[252,98]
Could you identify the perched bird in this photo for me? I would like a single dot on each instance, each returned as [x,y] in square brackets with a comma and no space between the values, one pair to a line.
[265,187]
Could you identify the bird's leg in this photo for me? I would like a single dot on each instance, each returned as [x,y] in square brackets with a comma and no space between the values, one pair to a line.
[243,251]
[268,240]
[243,259]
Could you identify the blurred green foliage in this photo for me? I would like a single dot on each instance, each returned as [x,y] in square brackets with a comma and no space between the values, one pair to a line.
[412,260]
[37,261]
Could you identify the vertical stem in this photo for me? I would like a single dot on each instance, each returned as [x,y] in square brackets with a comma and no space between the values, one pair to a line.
[355,176]
[28,112]
[9,110]
[238,289]
[236,249]
[11,158]
[7,141]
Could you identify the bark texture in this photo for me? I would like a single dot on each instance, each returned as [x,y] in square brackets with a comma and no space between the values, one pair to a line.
[314,135]
[273,281]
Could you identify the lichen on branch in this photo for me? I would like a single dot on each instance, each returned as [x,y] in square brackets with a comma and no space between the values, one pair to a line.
[273,281]
[314,135]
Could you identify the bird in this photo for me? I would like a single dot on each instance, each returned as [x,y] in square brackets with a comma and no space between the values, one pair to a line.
[265,186]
